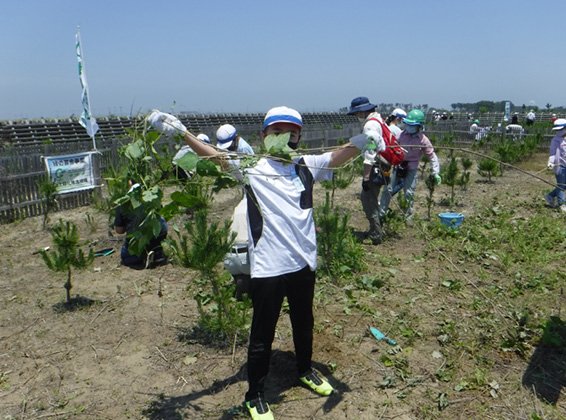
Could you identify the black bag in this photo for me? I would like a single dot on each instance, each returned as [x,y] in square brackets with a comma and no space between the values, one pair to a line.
[402,170]
[378,177]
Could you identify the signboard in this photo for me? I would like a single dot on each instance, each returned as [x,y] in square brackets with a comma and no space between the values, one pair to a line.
[70,172]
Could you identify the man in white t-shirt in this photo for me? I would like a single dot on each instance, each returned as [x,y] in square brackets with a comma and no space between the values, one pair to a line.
[281,242]
[531,117]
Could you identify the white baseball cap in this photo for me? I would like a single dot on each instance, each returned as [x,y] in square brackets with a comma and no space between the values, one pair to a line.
[203,137]
[559,124]
[399,113]
[225,135]
[282,114]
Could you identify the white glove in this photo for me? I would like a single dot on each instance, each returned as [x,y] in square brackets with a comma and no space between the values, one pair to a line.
[364,141]
[550,164]
[360,141]
[166,123]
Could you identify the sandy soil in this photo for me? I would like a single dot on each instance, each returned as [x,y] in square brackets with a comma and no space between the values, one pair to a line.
[124,356]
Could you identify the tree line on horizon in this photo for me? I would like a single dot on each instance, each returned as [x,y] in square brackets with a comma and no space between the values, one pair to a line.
[499,106]
[479,107]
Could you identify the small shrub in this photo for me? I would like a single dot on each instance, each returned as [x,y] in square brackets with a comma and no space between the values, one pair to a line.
[67,254]
[221,316]
[337,248]
[48,191]
[487,168]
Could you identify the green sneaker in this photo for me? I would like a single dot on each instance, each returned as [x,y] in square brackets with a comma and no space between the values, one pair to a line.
[317,383]
[259,409]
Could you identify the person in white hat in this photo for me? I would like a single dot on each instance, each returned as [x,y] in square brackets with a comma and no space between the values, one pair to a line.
[281,241]
[227,138]
[375,169]
[203,137]
[181,173]
[395,121]
[557,161]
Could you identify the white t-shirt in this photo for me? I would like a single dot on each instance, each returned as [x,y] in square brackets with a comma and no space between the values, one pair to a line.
[281,230]
[244,147]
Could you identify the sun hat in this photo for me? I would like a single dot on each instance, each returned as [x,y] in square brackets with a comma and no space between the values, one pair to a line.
[225,135]
[203,137]
[399,113]
[360,104]
[282,114]
[559,124]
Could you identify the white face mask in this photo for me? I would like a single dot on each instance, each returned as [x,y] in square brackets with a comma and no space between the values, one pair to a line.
[362,120]
[412,129]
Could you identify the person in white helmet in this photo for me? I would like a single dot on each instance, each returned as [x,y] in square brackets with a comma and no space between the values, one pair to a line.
[557,162]
[281,241]
[181,173]
[227,138]
[395,121]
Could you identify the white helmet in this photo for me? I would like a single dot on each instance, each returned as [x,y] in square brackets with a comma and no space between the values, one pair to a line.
[559,124]
[204,138]
[399,113]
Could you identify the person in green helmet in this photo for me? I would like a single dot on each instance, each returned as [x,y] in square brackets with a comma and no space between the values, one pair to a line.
[417,144]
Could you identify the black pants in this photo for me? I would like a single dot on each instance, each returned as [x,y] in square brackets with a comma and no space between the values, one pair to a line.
[267,296]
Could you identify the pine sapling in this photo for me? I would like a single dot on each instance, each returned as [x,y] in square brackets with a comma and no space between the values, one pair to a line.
[465,176]
[48,191]
[67,254]
[487,168]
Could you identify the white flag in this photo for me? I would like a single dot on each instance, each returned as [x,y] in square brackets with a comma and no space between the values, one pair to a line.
[87,120]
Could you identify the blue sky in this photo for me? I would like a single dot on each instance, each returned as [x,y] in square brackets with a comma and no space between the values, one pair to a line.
[247,56]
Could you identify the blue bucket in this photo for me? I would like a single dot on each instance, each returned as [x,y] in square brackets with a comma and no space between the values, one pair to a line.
[452,220]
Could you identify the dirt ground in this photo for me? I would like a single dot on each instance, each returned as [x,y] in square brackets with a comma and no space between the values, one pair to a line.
[123,357]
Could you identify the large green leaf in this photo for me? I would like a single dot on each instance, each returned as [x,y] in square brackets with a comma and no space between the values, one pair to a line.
[151,194]
[188,162]
[224,181]
[277,145]
[135,150]
[207,168]
[186,200]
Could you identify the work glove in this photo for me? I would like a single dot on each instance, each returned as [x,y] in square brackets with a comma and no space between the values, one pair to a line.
[550,164]
[365,185]
[370,140]
[165,123]
[437,179]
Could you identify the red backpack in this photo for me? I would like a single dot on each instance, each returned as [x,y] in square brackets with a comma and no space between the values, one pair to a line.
[393,152]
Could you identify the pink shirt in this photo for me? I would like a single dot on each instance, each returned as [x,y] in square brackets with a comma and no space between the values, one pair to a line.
[418,144]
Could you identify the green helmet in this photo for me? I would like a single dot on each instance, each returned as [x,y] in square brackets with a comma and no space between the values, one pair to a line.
[415,117]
